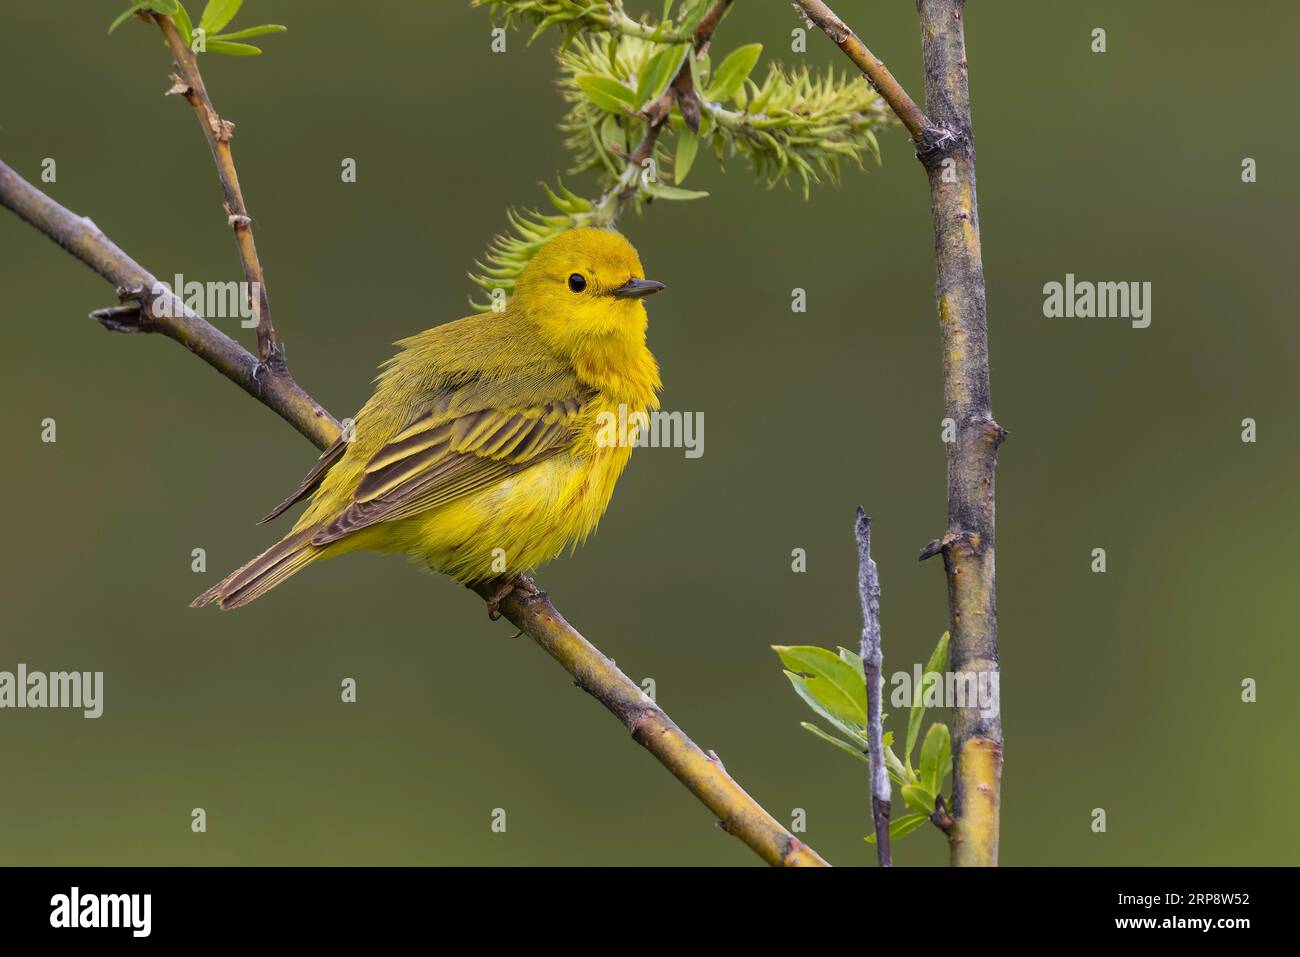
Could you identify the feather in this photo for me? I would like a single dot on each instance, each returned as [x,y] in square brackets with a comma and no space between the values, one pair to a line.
[450,459]
[312,481]
[264,572]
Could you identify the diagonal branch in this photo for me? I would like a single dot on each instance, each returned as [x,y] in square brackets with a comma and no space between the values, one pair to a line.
[163,312]
[218,131]
[703,775]
[701,772]
[945,146]
[876,72]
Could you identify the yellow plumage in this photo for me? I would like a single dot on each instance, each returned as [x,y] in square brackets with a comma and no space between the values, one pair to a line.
[481,451]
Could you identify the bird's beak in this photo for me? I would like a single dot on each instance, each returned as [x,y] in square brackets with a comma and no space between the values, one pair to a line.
[638,288]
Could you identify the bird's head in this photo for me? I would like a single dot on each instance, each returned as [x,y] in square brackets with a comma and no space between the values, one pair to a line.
[585,288]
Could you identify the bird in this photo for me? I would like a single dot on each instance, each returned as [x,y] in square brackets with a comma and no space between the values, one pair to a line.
[484,451]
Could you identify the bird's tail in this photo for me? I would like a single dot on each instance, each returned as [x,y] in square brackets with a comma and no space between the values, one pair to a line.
[286,557]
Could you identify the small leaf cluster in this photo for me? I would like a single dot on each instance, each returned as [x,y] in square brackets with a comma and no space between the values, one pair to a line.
[793,124]
[799,124]
[617,76]
[833,685]
[216,16]
[610,87]
[574,16]
[530,230]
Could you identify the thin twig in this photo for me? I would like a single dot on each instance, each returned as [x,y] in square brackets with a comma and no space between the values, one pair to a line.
[872,662]
[83,239]
[737,812]
[939,817]
[947,151]
[904,107]
[218,131]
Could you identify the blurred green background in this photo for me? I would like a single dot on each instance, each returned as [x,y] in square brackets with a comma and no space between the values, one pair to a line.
[1120,691]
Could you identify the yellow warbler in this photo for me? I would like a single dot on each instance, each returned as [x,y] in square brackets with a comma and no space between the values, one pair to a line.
[481,451]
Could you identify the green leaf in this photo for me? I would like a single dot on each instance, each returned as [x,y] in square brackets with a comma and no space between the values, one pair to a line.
[693,12]
[939,657]
[122,17]
[937,664]
[918,798]
[566,200]
[166,7]
[658,71]
[900,774]
[901,827]
[733,71]
[838,742]
[854,661]
[233,49]
[217,14]
[607,93]
[612,132]
[872,144]
[251,32]
[699,70]
[688,144]
[913,729]
[841,723]
[835,681]
[934,756]
[183,24]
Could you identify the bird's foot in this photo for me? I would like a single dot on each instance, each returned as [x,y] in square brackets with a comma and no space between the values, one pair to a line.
[520,583]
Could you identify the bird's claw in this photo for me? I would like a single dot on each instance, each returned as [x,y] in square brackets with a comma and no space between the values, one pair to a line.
[521,583]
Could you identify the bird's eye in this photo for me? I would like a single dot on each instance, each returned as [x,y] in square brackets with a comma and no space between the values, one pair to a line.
[577,283]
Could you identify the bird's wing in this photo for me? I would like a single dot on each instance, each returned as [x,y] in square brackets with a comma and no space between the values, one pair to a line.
[327,460]
[440,457]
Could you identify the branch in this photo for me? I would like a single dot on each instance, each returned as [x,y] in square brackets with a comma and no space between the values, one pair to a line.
[872,662]
[737,812]
[218,132]
[83,239]
[822,16]
[708,23]
[972,458]
[946,148]
[701,772]
[940,817]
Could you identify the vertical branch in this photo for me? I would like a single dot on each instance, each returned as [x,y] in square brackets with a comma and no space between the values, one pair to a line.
[948,155]
[946,148]
[218,132]
[872,662]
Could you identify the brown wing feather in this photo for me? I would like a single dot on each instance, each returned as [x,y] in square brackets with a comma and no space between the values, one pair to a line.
[308,485]
[436,460]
